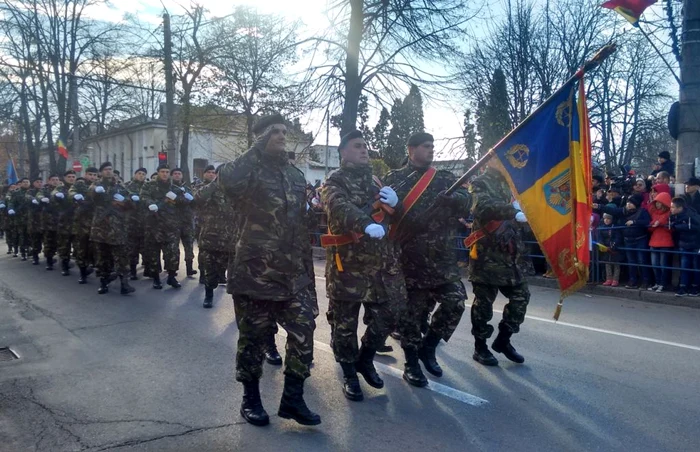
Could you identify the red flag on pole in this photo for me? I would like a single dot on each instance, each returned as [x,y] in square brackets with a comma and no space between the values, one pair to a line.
[629,9]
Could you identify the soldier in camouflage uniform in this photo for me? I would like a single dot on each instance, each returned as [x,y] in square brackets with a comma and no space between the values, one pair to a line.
[49,219]
[271,277]
[65,208]
[7,221]
[428,258]
[208,176]
[4,190]
[493,267]
[162,226]
[185,216]
[82,223]
[136,223]
[34,232]
[17,208]
[216,218]
[108,231]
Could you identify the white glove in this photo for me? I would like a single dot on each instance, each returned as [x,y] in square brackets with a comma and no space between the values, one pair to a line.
[45,200]
[387,195]
[78,197]
[520,217]
[153,208]
[99,189]
[10,212]
[117,197]
[171,196]
[189,197]
[135,198]
[2,205]
[376,231]
[34,201]
[516,206]
[60,195]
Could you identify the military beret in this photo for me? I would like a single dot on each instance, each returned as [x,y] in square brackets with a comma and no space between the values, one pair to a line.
[69,172]
[266,121]
[176,170]
[419,138]
[210,168]
[105,165]
[23,179]
[349,136]
[92,169]
[163,166]
[141,170]
[52,175]
[37,178]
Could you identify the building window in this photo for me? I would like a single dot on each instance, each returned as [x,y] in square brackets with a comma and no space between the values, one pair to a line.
[198,167]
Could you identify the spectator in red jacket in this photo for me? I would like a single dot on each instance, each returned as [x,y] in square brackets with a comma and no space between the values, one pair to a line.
[661,241]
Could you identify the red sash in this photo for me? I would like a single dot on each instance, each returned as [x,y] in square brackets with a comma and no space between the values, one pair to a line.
[413,196]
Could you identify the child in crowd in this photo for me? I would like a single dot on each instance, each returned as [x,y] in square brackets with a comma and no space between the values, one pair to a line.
[661,241]
[611,237]
[685,227]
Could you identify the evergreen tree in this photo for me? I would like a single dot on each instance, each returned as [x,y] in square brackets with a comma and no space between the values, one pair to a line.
[363,115]
[470,140]
[380,135]
[406,119]
[493,121]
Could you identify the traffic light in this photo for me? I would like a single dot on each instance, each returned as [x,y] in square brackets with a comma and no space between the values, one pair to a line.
[162,158]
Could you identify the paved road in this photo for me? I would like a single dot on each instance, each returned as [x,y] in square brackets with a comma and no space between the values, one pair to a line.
[154,371]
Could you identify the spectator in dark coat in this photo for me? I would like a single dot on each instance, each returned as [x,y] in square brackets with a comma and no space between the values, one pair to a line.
[692,194]
[664,164]
[685,226]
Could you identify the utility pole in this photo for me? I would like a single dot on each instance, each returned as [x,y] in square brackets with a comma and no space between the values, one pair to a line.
[76,124]
[689,118]
[169,87]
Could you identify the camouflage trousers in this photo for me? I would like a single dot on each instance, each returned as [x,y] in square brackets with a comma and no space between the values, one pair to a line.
[256,320]
[213,265]
[50,243]
[450,297]
[111,258]
[65,243]
[83,249]
[135,247]
[187,238]
[171,255]
[35,242]
[343,316]
[20,238]
[513,313]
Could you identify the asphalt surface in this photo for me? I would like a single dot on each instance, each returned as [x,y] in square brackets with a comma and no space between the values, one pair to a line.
[155,371]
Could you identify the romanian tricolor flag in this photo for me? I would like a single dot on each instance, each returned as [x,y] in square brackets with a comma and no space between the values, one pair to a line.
[547,163]
[629,9]
[62,150]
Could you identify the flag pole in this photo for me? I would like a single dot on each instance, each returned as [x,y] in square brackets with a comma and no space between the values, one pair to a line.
[600,56]
[658,52]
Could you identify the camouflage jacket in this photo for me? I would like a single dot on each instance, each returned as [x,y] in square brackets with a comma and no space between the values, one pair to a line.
[162,225]
[429,258]
[65,208]
[137,216]
[110,216]
[498,253]
[370,268]
[33,211]
[216,218]
[84,209]
[185,210]
[273,253]
[17,201]
[3,212]
[49,213]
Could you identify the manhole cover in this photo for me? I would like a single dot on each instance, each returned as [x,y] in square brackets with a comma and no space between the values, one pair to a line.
[7,355]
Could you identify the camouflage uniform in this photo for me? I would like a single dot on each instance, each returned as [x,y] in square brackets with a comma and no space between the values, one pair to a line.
[82,224]
[49,221]
[3,217]
[17,201]
[34,230]
[136,225]
[217,227]
[370,274]
[108,229]
[185,217]
[429,259]
[162,226]
[65,208]
[497,256]
[271,276]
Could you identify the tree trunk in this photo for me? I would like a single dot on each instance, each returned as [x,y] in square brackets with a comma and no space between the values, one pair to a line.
[353,84]
[185,144]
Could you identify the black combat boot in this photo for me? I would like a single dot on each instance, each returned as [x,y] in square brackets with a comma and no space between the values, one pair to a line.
[365,367]
[482,353]
[9,249]
[16,252]
[132,273]
[251,408]
[24,256]
[49,263]
[172,281]
[208,298]
[104,286]
[412,372]
[147,273]
[351,384]
[384,348]
[427,353]
[156,282]
[126,289]
[292,405]
[65,269]
[502,345]
[83,275]
[272,356]
[35,259]
[190,271]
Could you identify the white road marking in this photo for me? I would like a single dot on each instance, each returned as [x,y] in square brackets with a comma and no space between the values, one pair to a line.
[445,390]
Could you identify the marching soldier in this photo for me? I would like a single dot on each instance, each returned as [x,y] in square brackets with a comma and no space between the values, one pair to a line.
[9,229]
[162,227]
[362,265]
[217,225]
[17,206]
[65,208]
[136,223]
[48,220]
[4,191]
[271,277]
[34,220]
[428,258]
[496,247]
[82,223]
[185,217]
[208,176]
[108,230]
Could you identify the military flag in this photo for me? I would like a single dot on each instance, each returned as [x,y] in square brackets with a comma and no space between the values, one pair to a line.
[11,171]
[62,150]
[547,162]
[629,9]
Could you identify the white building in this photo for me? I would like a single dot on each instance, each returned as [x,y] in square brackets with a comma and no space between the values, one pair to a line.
[312,162]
